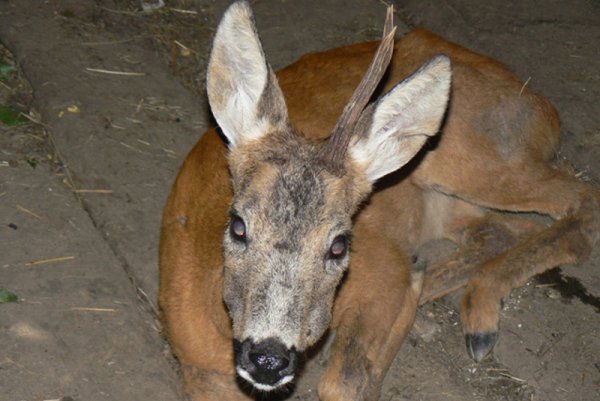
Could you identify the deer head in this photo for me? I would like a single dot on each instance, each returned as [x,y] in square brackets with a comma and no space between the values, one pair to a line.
[286,247]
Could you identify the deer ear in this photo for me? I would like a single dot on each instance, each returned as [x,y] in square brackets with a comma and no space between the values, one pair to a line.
[243,92]
[392,131]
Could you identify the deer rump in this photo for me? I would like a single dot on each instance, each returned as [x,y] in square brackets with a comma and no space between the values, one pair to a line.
[270,222]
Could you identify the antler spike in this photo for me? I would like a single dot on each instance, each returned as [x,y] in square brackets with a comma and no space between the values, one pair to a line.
[335,150]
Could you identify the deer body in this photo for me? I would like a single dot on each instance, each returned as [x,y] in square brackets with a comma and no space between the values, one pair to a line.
[492,155]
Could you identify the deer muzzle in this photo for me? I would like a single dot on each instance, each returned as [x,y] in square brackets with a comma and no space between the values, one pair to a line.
[267,364]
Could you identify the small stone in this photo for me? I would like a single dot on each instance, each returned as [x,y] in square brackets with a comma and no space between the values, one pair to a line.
[552,293]
[426,328]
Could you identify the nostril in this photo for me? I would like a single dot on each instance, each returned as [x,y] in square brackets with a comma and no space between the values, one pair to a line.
[266,362]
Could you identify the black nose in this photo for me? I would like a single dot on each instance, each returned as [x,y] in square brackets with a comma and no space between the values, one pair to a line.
[267,362]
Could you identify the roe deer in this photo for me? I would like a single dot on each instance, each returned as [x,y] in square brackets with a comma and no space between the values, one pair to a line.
[290,202]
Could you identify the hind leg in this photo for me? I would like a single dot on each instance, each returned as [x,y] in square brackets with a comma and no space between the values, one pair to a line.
[533,188]
[373,313]
[563,243]
[477,241]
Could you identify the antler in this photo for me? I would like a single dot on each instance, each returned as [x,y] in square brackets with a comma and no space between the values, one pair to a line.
[337,144]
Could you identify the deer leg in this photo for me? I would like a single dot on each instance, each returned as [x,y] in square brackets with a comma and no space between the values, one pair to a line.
[195,319]
[481,240]
[562,243]
[206,356]
[568,240]
[373,313]
[206,385]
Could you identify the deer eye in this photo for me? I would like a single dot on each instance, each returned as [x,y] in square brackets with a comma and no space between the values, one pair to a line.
[237,229]
[339,247]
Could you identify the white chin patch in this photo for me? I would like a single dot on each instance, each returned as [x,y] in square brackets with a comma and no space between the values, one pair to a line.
[260,386]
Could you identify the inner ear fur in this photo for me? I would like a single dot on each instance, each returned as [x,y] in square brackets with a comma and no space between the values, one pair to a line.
[391,132]
[243,92]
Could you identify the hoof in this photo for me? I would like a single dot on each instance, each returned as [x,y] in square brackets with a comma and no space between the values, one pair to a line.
[480,344]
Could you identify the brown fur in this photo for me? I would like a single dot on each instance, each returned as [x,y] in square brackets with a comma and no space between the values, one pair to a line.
[494,153]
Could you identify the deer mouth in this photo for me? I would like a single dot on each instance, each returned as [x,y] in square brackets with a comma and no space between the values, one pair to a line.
[267,364]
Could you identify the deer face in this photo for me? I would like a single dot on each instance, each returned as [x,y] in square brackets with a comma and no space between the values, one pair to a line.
[286,249]
[287,243]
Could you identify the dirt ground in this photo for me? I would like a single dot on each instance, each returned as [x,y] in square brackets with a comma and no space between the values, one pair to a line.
[83,183]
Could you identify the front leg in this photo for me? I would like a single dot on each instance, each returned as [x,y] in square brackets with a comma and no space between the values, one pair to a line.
[211,385]
[374,311]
